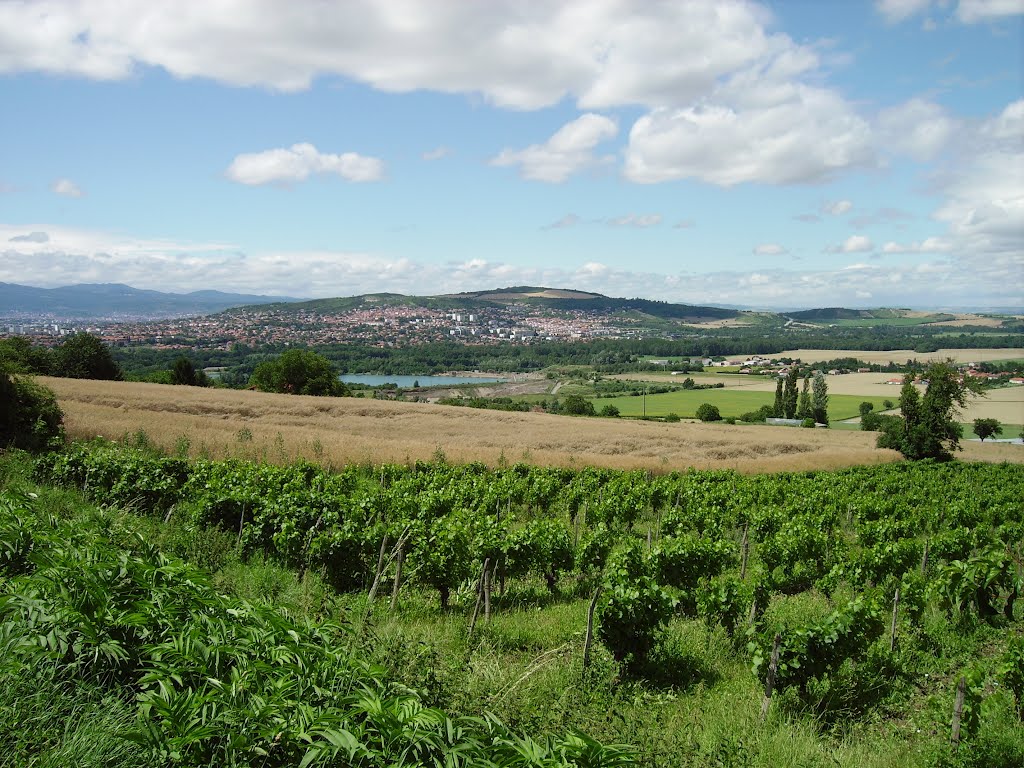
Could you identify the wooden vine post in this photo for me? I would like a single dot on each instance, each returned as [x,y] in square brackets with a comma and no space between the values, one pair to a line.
[745,547]
[773,670]
[895,615]
[488,588]
[589,641]
[481,588]
[400,556]
[958,712]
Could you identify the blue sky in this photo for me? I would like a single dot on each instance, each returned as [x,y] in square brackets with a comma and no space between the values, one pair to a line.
[790,153]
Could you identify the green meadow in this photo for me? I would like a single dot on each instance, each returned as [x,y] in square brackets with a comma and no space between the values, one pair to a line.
[730,402]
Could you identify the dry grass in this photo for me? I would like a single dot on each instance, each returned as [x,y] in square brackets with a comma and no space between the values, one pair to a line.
[345,430]
[988,451]
[962,321]
[1005,404]
[902,355]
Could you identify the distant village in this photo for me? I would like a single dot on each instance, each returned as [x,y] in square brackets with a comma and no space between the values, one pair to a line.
[397,326]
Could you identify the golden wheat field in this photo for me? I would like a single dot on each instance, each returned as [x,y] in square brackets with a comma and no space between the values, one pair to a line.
[982,355]
[281,428]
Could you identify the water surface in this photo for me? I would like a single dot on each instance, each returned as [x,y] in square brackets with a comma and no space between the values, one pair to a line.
[409,381]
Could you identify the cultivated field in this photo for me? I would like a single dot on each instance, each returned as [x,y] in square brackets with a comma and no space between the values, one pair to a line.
[732,401]
[343,430]
[845,392]
[902,355]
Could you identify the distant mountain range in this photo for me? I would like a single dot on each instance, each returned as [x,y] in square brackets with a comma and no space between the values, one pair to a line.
[114,301]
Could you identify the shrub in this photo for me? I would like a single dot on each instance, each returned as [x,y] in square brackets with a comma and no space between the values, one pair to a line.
[29,416]
[879,422]
[708,412]
[808,423]
[635,609]
[610,411]
[672,418]
[762,413]
[576,405]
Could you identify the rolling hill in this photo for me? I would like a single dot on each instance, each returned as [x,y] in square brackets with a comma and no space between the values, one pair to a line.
[556,299]
[115,301]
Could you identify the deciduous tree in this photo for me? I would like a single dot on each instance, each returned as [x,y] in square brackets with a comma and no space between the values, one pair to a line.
[987,428]
[929,428]
[84,356]
[298,372]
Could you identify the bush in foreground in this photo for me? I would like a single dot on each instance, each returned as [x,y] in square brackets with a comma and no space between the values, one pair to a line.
[29,416]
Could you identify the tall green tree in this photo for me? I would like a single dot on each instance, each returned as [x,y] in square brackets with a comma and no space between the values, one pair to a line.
[779,408]
[929,427]
[819,399]
[789,395]
[184,373]
[298,372]
[803,411]
[84,356]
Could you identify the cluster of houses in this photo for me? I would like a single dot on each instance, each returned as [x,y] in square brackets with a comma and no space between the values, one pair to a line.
[755,365]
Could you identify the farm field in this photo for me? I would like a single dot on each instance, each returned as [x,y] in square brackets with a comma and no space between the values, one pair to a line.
[281,428]
[1005,404]
[731,401]
[980,355]
[688,577]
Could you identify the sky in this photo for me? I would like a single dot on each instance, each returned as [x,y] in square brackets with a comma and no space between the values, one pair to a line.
[777,154]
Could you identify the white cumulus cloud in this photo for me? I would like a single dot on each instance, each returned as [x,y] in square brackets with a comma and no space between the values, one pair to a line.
[298,163]
[641,221]
[973,11]
[769,249]
[437,153]
[984,205]
[569,220]
[802,134]
[724,97]
[569,151]
[519,55]
[838,208]
[73,256]
[897,10]
[967,11]
[66,188]
[928,245]
[918,128]
[852,244]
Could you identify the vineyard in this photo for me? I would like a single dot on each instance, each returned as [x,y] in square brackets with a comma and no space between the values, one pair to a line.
[437,614]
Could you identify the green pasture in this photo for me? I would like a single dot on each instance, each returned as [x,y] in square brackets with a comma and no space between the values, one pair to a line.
[730,401]
[871,322]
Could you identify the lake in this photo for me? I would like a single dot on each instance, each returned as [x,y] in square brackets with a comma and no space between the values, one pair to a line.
[408,381]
